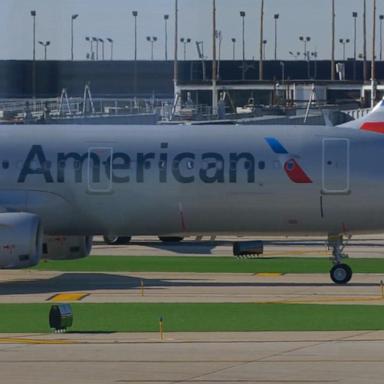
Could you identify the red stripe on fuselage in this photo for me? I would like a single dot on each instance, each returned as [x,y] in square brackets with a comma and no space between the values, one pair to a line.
[296,173]
[374,126]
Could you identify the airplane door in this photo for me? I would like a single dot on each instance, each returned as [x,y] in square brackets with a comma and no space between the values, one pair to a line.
[335,166]
[99,169]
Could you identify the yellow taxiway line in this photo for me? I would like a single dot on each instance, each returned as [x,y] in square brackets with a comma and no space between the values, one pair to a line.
[64,297]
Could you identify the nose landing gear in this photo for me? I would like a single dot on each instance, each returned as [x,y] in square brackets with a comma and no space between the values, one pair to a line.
[340,273]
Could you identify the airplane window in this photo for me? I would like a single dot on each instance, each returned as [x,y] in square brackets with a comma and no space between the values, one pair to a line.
[190,164]
[5,164]
[261,164]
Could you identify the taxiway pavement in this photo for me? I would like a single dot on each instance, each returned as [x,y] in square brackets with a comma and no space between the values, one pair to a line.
[278,357]
[41,286]
[252,357]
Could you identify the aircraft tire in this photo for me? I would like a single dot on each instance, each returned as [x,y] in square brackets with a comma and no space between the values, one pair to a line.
[117,240]
[170,239]
[341,273]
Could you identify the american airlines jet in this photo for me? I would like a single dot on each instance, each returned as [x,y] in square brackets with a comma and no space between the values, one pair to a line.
[62,185]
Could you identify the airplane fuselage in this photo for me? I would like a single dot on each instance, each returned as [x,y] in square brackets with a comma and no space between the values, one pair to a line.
[182,180]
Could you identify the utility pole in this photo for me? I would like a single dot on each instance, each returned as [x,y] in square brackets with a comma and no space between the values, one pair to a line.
[365,41]
[111,42]
[333,42]
[175,63]
[166,17]
[381,17]
[73,18]
[214,66]
[373,73]
[102,48]
[354,15]
[134,14]
[242,15]
[33,14]
[233,48]
[276,17]
[261,72]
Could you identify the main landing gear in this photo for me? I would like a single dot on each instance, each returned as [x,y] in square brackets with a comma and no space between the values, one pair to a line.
[124,240]
[116,240]
[340,273]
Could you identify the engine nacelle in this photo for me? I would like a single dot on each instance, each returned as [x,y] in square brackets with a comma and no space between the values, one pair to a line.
[21,239]
[66,247]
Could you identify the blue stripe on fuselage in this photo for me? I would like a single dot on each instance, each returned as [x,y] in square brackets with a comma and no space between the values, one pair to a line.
[275,145]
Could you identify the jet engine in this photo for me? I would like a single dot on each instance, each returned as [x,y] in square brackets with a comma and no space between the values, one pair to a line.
[66,247]
[21,238]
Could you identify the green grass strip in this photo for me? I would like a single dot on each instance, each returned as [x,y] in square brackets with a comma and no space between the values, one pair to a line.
[207,264]
[197,317]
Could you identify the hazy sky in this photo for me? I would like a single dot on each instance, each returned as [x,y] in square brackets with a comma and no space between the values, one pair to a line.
[113,18]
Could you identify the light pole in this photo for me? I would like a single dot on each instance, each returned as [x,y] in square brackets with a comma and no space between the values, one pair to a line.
[373,60]
[381,17]
[261,65]
[102,48]
[314,55]
[92,54]
[333,42]
[306,40]
[344,42]
[33,14]
[264,48]
[96,40]
[276,17]
[282,65]
[134,14]
[233,48]
[214,62]
[354,15]
[219,37]
[111,42]
[185,41]
[45,45]
[176,51]
[152,40]
[73,18]
[242,15]
[365,40]
[166,17]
